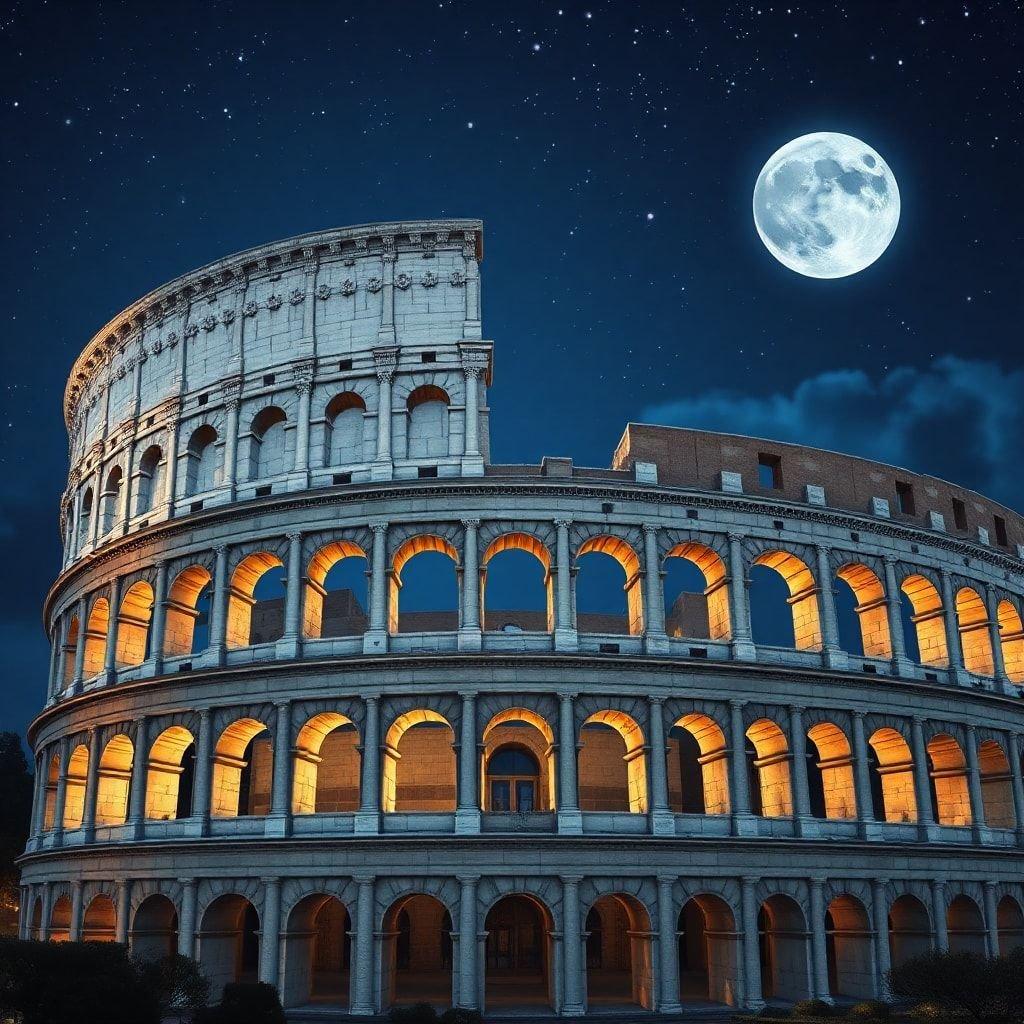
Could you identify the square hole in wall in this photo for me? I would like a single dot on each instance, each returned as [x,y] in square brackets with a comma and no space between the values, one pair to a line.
[608,648]
[428,357]
[342,478]
[268,378]
[426,471]
[196,506]
[143,524]
[202,399]
[185,666]
[262,492]
[871,669]
[607,507]
[914,549]
[905,498]
[345,364]
[854,536]
[1000,524]
[691,513]
[778,524]
[698,652]
[769,470]
[150,421]
[959,514]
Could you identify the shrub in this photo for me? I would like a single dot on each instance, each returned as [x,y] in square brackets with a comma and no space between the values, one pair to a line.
[460,1015]
[245,1003]
[870,1009]
[419,1013]
[812,1008]
[175,981]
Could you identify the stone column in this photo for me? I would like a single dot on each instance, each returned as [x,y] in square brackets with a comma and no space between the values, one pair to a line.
[471,326]
[171,465]
[217,650]
[97,501]
[472,448]
[83,611]
[467,815]
[362,950]
[957,671]
[469,629]
[75,929]
[39,780]
[375,640]
[922,785]
[668,946]
[60,797]
[570,820]
[565,627]
[662,819]
[991,918]
[204,772]
[187,923]
[978,829]
[124,902]
[137,792]
[270,931]
[25,901]
[832,653]
[110,649]
[742,820]
[901,664]
[739,606]
[303,373]
[751,947]
[655,640]
[572,943]
[467,942]
[939,915]
[159,624]
[384,360]
[996,638]
[279,820]
[1016,782]
[862,776]
[819,957]
[801,793]
[290,644]
[368,817]
[92,786]
[231,403]
[880,915]
[44,917]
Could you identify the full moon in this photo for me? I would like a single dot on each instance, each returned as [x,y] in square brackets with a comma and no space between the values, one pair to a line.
[826,205]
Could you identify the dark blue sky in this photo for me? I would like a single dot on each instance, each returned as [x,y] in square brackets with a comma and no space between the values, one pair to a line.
[141,141]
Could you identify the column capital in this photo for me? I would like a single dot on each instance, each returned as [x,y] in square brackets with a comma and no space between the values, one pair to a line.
[563,523]
[732,535]
[797,709]
[364,879]
[186,882]
[471,524]
[468,694]
[989,884]
[880,883]
[571,879]
[204,713]
[655,699]
[283,705]
[471,372]
[650,528]
[294,535]
[938,884]
[378,527]
[737,703]
[818,882]
[220,549]
[385,376]
[750,880]
[270,879]
[890,559]
[468,879]
[566,695]
[371,698]
[859,714]
[668,879]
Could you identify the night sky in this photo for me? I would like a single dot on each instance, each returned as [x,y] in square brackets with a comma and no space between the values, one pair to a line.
[611,150]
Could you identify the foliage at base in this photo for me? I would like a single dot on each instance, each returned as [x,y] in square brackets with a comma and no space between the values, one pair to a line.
[245,1003]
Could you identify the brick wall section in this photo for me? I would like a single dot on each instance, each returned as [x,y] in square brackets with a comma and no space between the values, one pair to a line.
[603,773]
[426,769]
[697,458]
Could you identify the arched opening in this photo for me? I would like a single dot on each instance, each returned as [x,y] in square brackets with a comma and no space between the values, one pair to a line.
[619,959]
[335,594]
[343,430]
[267,444]
[256,601]
[317,953]
[708,952]
[186,625]
[975,638]
[70,650]
[1011,638]
[151,479]
[767,753]
[516,586]
[416,951]
[60,920]
[50,793]
[862,613]
[115,778]
[608,597]
[229,943]
[202,470]
[698,767]
[170,775]
[419,763]
[74,788]
[892,780]
[519,954]
[154,933]
[110,499]
[1010,925]
[85,517]
[429,587]
[518,763]
[929,628]
[830,773]
[243,766]
[996,785]
[326,768]
[696,593]
[848,949]
[773,624]
[612,764]
[965,926]
[96,638]
[950,793]
[782,934]
[427,409]
[910,932]
[100,919]
[133,620]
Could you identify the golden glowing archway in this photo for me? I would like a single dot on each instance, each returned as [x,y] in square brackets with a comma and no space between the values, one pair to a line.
[115,776]
[531,545]
[133,625]
[803,596]
[635,756]
[871,609]
[249,572]
[896,775]
[713,763]
[182,612]
[406,552]
[624,554]
[928,621]
[539,741]
[316,575]
[716,590]
[975,639]
[228,765]
[949,779]
[1011,636]
[430,766]
[326,765]
[164,772]
[835,763]
[771,762]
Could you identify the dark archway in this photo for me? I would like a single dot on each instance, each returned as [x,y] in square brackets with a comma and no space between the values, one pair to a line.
[518,964]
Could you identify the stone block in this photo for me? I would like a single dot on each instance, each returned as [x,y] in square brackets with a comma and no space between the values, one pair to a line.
[880,507]
[982,535]
[815,494]
[646,472]
[731,483]
[936,521]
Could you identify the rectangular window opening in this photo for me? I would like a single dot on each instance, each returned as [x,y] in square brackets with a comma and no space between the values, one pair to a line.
[428,357]
[262,492]
[769,471]
[342,478]
[345,364]
[196,506]
[1001,539]
[426,471]
[959,514]
[608,648]
[202,399]
[905,498]
[268,378]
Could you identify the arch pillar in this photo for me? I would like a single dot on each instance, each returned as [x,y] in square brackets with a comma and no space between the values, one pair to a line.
[832,654]
[819,955]
[290,644]
[940,931]
[991,918]
[362,1003]
[922,789]
[216,650]
[124,899]
[137,794]
[472,460]
[113,617]
[46,903]
[75,926]
[743,822]
[661,817]
[572,948]
[270,931]
[467,812]
[862,778]
[570,819]
[880,915]
[384,359]
[979,830]
[171,465]
[957,672]
[1002,682]
[752,997]
[367,819]
[375,639]
[566,638]
[187,921]
[803,822]
[743,648]
[279,821]
[232,402]
[83,610]
[204,773]
[1016,782]
[158,625]
[92,787]
[467,977]
[668,946]
[60,797]
[469,627]
[303,373]
[655,638]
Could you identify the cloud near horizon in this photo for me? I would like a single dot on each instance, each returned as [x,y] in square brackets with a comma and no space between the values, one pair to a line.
[959,419]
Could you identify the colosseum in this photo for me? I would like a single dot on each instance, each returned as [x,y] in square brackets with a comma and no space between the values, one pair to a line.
[791,758]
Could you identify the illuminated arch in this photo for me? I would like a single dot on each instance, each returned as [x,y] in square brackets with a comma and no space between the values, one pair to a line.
[406,552]
[949,781]
[267,443]
[771,769]
[540,744]
[1011,637]
[240,596]
[316,574]
[231,769]
[716,590]
[996,786]
[96,638]
[74,787]
[928,620]
[99,922]
[872,611]
[975,639]
[635,757]
[164,775]
[895,776]
[443,768]
[326,766]
[70,649]
[627,558]
[834,767]
[848,956]
[115,776]
[50,793]
[803,596]
[710,763]
[182,610]
[516,541]
[133,625]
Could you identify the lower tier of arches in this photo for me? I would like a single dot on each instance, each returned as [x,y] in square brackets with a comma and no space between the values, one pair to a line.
[566,943]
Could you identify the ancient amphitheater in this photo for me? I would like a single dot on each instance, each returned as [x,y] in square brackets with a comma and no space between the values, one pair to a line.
[256,750]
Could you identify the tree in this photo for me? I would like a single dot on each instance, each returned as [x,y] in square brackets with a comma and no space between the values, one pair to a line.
[15,811]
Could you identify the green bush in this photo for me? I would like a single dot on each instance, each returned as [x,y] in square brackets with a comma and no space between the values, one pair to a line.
[245,1003]
[175,981]
[460,1015]
[419,1013]
[812,1008]
[870,1009]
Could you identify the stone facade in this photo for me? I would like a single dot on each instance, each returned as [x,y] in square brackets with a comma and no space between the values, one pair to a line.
[484,807]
